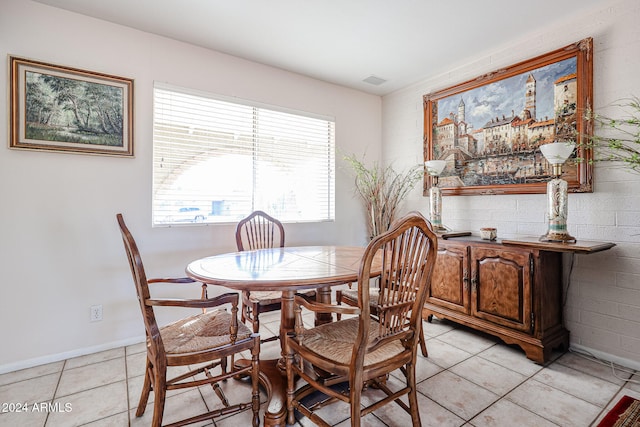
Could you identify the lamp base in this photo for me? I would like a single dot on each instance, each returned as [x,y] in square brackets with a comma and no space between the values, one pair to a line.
[557,237]
[439,228]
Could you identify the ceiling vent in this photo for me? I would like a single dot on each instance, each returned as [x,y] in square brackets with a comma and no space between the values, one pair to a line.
[376,81]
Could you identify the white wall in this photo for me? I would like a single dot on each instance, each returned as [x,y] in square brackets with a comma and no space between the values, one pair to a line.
[602,310]
[61,250]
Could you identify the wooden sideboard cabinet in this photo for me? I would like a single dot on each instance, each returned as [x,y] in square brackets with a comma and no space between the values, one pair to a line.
[510,289]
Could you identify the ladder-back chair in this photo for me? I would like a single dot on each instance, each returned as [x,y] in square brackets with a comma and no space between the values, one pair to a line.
[205,339]
[350,297]
[351,353]
[261,231]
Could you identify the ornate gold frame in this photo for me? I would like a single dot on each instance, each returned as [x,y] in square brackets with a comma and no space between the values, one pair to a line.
[502,157]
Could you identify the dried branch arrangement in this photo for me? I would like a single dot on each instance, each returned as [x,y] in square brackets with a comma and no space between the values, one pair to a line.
[617,139]
[382,190]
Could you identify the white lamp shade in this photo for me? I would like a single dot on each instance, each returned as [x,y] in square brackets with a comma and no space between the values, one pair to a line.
[435,167]
[557,152]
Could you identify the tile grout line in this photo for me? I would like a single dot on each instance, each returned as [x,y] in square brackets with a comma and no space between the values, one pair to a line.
[55,392]
[500,397]
[504,396]
[126,384]
[602,411]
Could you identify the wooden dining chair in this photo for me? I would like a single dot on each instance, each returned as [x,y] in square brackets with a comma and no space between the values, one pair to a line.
[205,339]
[338,359]
[259,230]
[350,297]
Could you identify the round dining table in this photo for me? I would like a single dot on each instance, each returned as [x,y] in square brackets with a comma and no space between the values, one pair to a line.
[286,269]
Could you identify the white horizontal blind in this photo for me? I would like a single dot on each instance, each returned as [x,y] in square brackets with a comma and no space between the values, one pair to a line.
[217,160]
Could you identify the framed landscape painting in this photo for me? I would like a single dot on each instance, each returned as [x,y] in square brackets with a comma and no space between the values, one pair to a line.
[489,130]
[56,108]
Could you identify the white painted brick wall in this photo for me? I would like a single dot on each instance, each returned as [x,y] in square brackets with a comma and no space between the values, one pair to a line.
[602,308]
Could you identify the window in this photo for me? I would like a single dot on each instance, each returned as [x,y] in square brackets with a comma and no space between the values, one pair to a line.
[217,159]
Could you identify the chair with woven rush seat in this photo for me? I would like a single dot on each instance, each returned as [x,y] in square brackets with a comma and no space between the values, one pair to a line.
[260,231]
[364,349]
[206,338]
[350,297]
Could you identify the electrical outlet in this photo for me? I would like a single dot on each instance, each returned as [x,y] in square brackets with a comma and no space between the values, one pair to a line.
[95,314]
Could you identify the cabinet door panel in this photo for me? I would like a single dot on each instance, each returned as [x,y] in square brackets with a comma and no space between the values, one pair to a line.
[501,287]
[449,282]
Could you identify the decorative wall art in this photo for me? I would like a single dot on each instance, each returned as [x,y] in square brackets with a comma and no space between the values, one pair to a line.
[56,108]
[489,129]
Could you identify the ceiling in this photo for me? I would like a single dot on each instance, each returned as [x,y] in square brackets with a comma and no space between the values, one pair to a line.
[343,41]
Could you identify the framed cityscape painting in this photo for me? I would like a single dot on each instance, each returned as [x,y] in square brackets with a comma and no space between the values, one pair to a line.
[489,130]
[64,109]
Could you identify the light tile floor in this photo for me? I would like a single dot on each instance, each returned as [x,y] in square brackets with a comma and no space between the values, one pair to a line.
[469,379]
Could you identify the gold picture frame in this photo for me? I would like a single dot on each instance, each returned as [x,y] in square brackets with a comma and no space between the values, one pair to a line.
[64,109]
[489,129]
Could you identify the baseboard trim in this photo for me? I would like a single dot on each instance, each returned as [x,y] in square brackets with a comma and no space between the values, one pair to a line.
[50,358]
[607,357]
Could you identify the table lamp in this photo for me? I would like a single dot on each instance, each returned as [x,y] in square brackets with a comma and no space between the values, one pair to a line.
[556,154]
[435,168]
